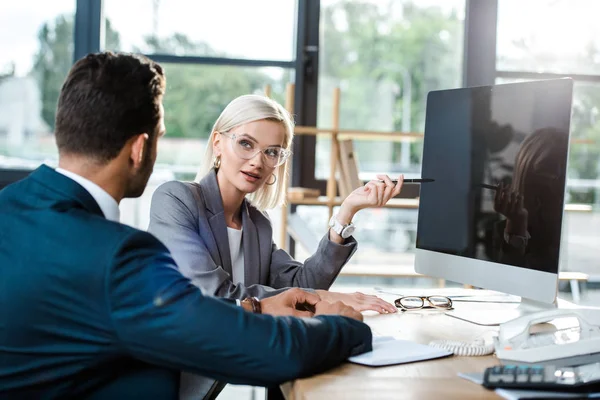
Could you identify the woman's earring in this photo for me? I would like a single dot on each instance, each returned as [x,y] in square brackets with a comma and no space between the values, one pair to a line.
[217,162]
[274,180]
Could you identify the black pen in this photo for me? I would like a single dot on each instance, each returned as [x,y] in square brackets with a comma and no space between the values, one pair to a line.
[421,180]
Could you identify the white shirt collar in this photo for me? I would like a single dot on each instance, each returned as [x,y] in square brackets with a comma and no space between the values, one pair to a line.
[108,205]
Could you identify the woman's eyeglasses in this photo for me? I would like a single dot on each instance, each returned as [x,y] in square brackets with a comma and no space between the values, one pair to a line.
[406,303]
[247,149]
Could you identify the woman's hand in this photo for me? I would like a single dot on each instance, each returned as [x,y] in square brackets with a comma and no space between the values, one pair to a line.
[358,301]
[511,204]
[374,194]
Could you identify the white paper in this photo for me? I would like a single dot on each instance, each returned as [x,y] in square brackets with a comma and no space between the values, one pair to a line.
[389,351]
[474,377]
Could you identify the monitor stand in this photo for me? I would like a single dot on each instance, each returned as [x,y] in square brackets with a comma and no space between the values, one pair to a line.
[497,316]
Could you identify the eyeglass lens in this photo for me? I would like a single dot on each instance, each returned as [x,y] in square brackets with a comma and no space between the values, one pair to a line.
[411,302]
[439,301]
[247,150]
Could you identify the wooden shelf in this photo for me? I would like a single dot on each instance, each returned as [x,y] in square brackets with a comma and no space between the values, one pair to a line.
[358,134]
[324,201]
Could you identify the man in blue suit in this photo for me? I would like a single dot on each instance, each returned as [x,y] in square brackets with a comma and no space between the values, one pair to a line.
[91,308]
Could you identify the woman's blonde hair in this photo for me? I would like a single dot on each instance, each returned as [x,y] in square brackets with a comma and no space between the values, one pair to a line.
[242,110]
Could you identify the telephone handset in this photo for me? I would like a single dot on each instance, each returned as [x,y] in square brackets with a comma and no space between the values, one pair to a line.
[517,342]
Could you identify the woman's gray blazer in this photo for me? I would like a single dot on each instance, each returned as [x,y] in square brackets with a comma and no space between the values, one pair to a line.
[189,219]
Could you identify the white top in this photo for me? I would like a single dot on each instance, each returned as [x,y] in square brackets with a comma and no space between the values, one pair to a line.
[108,205]
[237,255]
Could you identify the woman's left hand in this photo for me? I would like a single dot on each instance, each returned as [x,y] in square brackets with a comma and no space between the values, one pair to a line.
[358,301]
[375,193]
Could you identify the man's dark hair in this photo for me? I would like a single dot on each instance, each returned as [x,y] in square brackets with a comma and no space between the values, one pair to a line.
[107,99]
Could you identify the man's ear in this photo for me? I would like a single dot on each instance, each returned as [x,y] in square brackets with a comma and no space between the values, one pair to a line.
[138,146]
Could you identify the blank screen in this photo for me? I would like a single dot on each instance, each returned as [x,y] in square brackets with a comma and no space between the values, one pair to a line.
[498,155]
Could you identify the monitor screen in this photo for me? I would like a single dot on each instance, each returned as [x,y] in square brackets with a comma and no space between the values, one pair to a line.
[498,155]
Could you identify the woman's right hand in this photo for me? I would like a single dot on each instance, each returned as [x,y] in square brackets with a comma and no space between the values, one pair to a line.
[375,193]
[511,204]
[358,301]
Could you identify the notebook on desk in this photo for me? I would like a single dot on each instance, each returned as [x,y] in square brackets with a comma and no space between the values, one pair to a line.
[389,351]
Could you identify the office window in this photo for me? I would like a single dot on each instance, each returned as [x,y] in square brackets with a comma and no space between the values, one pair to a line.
[196,95]
[262,29]
[36,39]
[385,56]
[559,36]
[385,236]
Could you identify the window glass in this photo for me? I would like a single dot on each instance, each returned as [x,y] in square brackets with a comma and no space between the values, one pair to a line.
[36,43]
[221,28]
[385,56]
[560,36]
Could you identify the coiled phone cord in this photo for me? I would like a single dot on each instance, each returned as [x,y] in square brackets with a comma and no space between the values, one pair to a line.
[478,347]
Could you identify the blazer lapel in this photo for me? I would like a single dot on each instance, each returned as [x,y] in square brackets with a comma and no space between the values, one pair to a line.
[251,248]
[218,226]
[216,218]
[204,227]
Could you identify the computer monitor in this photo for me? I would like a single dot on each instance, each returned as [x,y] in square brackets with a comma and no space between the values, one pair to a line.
[493,216]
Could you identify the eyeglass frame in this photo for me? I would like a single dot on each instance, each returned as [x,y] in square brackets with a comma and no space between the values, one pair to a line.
[287,153]
[423,298]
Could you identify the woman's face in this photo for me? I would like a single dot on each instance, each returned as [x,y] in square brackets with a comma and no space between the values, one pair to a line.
[248,140]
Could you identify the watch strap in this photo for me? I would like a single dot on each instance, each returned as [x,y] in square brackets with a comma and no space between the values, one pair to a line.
[340,228]
[255,303]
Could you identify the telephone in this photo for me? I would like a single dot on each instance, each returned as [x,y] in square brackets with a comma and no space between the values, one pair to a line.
[517,340]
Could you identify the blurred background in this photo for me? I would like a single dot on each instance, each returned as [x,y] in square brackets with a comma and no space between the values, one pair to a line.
[384,55]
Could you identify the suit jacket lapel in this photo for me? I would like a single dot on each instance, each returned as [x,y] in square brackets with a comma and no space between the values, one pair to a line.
[216,218]
[251,248]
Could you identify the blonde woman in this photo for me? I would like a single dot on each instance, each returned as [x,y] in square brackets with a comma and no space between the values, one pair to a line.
[216,228]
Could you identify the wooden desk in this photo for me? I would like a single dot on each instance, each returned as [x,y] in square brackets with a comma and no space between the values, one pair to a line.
[433,379]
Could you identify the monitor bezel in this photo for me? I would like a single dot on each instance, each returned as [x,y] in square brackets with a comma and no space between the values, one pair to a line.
[536,285]
[527,283]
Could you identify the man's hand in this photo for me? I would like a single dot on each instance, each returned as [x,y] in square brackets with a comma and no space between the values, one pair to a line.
[295,302]
[337,308]
[358,301]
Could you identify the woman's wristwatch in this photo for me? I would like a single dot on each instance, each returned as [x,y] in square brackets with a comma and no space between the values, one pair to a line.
[517,241]
[345,231]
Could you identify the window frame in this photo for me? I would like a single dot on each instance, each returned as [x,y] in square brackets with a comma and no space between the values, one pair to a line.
[479,62]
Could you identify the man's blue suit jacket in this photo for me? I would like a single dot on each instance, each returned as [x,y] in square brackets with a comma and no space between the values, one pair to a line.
[93,308]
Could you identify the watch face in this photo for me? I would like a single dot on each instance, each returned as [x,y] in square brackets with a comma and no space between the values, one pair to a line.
[348,231]
[517,241]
